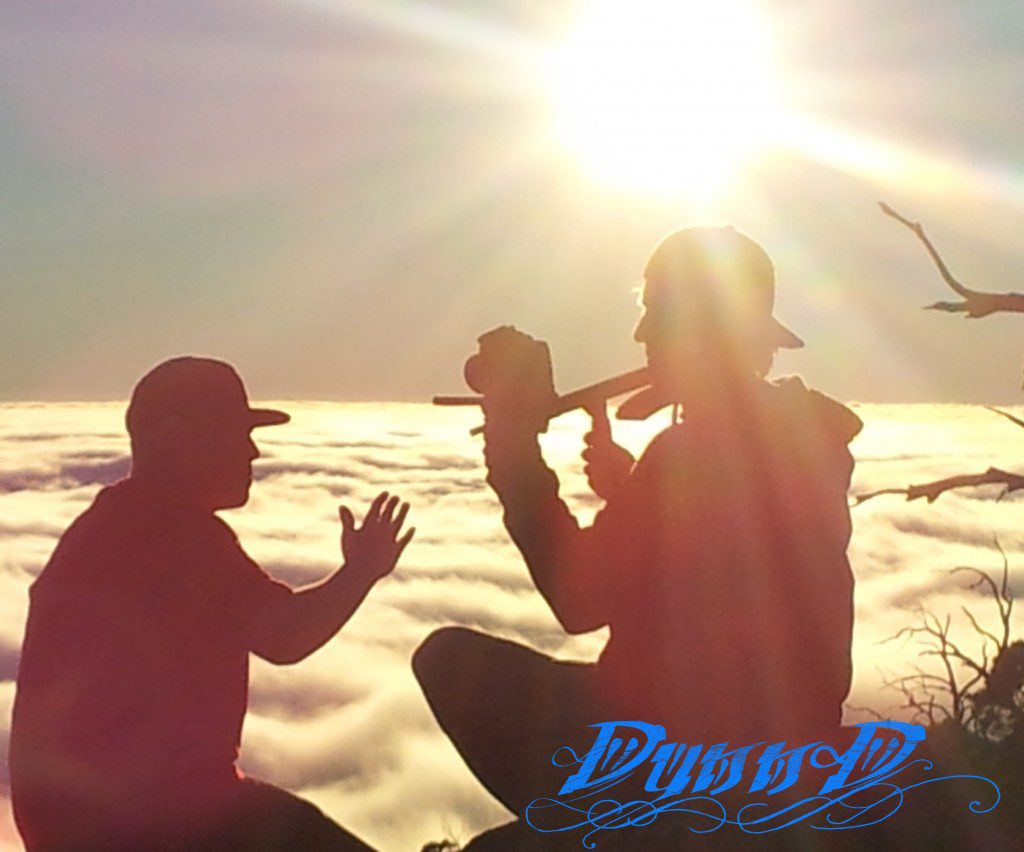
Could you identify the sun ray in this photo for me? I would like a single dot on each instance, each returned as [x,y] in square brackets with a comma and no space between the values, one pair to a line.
[898,165]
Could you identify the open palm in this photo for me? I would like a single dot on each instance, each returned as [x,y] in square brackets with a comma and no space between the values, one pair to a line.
[373,548]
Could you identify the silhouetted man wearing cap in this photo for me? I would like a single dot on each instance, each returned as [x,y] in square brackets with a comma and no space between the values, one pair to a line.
[133,680]
[718,562]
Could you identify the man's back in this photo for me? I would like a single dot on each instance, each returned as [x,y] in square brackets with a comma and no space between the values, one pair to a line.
[730,597]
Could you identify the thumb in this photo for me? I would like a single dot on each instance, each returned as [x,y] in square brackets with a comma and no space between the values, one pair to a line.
[602,427]
[348,521]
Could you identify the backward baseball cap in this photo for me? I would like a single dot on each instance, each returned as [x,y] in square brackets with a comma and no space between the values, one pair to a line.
[724,266]
[202,390]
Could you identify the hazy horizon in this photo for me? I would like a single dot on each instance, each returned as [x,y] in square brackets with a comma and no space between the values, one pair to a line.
[457,388]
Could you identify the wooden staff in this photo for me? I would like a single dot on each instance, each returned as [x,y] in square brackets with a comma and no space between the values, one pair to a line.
[583,397]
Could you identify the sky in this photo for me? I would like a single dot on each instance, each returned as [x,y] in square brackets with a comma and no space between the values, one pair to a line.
[348,728]
[339,196]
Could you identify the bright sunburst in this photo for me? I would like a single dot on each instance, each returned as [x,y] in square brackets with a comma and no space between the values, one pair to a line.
[665,96]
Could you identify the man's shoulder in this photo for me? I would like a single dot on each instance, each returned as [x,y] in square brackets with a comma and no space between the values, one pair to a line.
[808,409]
[99,522]
[89,543]
[788,414]
[122,532]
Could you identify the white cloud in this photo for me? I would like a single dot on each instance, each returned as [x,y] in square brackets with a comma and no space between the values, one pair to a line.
[348,727]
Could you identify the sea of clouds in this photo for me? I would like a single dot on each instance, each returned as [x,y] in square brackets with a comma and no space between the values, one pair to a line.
[348,727]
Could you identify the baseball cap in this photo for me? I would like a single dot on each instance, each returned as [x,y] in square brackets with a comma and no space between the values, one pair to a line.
[202,390]
[723,267]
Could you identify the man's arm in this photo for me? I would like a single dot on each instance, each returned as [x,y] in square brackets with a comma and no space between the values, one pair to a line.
[513,372]
[291,626]
[563,559]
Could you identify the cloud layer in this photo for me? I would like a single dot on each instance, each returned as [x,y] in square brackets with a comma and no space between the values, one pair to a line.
[348,727]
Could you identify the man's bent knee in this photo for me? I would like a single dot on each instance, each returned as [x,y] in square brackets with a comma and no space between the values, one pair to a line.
[440,657]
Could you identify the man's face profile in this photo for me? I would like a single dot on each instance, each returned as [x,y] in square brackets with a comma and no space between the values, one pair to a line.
[221,457]
[680,338]
[205,463]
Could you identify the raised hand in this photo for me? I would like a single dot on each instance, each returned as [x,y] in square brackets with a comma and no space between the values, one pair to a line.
[373,548]
[513,372]
[606,464]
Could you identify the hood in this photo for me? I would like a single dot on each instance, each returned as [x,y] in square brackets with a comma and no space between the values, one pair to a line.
[814,409]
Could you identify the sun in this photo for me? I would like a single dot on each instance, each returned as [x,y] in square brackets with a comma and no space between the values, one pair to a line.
[670,97]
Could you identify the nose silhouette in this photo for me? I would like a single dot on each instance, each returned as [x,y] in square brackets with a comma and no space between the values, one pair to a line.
[640,332]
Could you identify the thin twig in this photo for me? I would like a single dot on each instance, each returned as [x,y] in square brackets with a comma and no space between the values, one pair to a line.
[977,303]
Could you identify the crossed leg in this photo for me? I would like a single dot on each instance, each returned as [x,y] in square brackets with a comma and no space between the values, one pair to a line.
[507,709]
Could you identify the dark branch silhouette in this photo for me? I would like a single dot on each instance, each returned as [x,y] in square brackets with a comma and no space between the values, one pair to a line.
[976,303]
[979,691]
[931,491]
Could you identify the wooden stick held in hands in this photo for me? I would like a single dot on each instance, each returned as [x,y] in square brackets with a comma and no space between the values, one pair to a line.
[580,398]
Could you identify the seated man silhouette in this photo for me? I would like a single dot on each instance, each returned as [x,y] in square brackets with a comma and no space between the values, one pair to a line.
[133,680]
[718,562]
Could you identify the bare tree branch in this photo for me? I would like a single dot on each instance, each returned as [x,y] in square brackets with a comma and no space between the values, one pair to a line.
[984,633]
[1007,415]
[976,303]
[869,711]
[931,491]
[988,701]
[1000,595]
